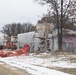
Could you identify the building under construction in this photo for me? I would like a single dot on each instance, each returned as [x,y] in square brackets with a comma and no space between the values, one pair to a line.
[43,39]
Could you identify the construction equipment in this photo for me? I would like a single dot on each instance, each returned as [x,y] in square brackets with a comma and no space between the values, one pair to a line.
[44,29]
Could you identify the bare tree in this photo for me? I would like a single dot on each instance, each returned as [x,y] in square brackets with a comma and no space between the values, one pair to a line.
[14,29]
[60,10]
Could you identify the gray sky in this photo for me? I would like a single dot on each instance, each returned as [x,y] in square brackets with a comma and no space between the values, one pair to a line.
[20,11]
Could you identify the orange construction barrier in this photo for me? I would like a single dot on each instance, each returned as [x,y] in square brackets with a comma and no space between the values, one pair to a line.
[15,52]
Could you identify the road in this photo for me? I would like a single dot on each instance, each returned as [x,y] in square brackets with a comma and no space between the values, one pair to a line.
[3,72]
[9,70]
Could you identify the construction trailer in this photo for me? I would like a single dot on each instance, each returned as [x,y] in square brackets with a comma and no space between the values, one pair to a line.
[28,38]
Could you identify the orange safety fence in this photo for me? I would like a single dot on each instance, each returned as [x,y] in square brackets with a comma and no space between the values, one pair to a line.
[15,52]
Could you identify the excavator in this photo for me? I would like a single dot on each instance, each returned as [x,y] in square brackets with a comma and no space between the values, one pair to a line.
[15,52]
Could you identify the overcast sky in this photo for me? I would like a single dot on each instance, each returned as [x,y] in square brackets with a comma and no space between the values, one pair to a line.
[20,11]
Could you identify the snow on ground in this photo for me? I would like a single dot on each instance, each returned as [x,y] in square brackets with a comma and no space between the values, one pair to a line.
[36,65]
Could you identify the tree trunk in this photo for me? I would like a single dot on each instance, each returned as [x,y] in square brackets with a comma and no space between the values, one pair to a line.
[60,46]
